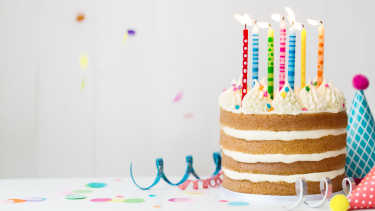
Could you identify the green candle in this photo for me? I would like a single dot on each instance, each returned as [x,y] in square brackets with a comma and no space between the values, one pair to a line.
[270,62]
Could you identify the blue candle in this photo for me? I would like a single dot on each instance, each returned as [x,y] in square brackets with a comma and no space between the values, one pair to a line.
[292,56]
[255,51]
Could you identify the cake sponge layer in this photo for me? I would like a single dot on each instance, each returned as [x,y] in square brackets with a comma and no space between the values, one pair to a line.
[301,167]
[276,188]
[284,122]
[298,146]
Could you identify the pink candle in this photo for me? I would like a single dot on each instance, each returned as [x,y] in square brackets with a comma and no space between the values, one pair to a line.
[282,54]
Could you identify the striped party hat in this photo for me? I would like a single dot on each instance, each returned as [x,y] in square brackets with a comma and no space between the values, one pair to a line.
[360,158]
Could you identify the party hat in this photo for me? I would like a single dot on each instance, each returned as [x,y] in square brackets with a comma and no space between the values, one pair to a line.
[363,196]
[361,137]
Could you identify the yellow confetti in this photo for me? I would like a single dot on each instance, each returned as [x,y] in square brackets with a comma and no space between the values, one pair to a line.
[118,200]
[83,84]
[84,61]
[125,38]
[283,94]
[339,203]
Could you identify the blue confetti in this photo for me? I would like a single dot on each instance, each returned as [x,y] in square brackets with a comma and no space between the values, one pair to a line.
[238,203]
[287,89]
[237,106]
[268,106]
[96,185]
[152,195]
[131,32]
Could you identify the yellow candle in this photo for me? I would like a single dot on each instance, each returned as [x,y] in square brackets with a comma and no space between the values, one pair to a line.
[320,54]
[303,57]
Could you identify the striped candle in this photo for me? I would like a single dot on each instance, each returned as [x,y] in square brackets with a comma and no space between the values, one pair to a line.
[270,61]
[255,52]
[303,57]
[282,54]
[244,62]
[292,56]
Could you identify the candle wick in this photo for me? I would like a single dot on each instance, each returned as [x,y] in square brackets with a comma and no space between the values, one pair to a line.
[256,22]
[283,18]
[245,25]
[321,22]
[269,25]
[303,26]
[292,23]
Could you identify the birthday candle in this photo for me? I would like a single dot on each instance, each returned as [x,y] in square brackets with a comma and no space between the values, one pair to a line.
[244,63]
[320,53]
[292,56]
[303,57]
[255,51]
[270,61]
[282,54]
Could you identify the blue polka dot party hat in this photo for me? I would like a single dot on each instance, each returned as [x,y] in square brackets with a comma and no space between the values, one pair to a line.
[360,158]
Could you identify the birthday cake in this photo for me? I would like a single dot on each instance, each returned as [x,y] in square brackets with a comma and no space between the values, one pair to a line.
[267,144]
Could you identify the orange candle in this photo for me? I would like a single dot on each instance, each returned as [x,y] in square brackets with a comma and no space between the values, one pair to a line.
[320,53]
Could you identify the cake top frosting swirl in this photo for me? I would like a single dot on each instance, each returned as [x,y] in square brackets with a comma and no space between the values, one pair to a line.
[308,99]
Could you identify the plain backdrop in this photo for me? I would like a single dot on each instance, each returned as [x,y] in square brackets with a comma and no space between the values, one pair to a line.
[125,113]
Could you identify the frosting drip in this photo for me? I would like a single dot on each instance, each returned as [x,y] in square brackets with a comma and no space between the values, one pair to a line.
[330,95]
[256,100]
[286,101]
[310,99]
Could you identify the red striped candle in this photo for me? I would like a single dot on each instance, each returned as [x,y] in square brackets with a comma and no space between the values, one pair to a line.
[244,62]
[282,54]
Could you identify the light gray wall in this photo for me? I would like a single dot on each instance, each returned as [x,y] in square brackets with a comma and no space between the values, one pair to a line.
[125,113]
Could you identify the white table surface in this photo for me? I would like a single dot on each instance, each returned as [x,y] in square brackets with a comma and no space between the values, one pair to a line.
[48,188]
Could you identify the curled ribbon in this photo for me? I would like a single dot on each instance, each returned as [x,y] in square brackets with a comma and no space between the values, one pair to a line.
[206,182]
[189,170]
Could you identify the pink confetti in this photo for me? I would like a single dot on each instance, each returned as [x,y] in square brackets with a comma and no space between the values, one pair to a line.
[101,200]
[223,200]
[66,192]
[234,85]
[326,85]
[183,200]
[224,90]
[239,87]
[265,94]
[235,88]
[117,180]
[120,196]
[189,115]
[304,109]
[343,105]
[178,97]
[6,201]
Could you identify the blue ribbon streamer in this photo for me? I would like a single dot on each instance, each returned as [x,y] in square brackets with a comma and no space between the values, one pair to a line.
[189,170]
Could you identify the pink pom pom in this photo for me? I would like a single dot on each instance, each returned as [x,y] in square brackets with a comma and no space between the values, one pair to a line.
[360,82]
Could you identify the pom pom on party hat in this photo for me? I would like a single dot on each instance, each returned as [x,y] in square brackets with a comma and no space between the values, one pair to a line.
[363,196]
[360,158]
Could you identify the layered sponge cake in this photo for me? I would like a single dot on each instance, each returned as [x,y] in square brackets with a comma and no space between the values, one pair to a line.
[267,144]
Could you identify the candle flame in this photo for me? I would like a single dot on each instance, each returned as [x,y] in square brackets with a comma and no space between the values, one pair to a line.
[313,22]
[290,16]
[263,24]
[298,25]
[277,17]
[244,19]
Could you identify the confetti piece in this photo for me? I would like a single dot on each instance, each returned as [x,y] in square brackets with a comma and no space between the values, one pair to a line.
[239,87]
[118,200]
[96,185]
[80,17]
[75,197]
[83,84]
[157,206]
[188,115]
[339,203]
[237,106]
[326,85]
[271,109]
[234,85]
[34,199]
[261,87]
[178,97]
[343,105]
[84,61]
[120,196]
[224,90]
[183,200]
[131,32]
[101,200]
[6,201]
[82,191]
[304,109]
[223,200]
[134,200]
[125,38]
[265,94]
[283,94]
[152,195]
[238,203]
[286,89]
[315,83]
[18,200]
[307,88]
[269,106]
[117,180]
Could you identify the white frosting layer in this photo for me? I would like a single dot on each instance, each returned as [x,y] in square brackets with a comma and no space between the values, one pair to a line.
[341,95]
[286,101]
[310,99]
[255,101]
[275,158]
[330,95]
[259,135]
[314,177]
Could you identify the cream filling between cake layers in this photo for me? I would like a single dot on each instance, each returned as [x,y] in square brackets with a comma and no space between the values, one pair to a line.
[276,158]
[314,177]
[259,135]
